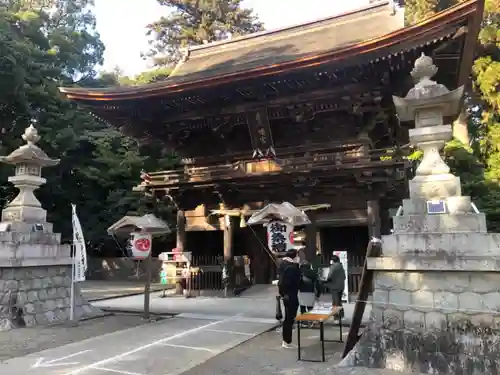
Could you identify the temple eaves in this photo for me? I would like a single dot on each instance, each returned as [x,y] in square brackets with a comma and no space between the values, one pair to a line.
[369,33]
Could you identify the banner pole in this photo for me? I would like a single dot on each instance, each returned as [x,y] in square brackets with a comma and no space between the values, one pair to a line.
[72,290]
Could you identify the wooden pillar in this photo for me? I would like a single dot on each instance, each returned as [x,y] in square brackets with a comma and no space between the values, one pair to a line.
[229,228]
[374,224]
[319,242]
[180,243]
[181,231]
[311,237]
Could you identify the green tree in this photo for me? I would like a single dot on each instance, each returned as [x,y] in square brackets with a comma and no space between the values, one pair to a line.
[478,165]
[43,45]
[117,78]
[194,22]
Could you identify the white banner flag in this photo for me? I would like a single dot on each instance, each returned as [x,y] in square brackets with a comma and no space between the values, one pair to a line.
[80,255]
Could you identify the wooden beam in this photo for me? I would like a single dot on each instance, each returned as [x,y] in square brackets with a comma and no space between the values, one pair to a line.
[330,146]
[470,44]
[216,111]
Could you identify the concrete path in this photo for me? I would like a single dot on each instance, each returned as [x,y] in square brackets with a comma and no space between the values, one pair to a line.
[168,347]
[256,306]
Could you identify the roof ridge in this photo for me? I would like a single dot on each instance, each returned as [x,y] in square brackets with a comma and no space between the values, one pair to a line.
[380,4]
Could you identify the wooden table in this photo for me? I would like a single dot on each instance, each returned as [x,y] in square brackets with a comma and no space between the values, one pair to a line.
[312,317]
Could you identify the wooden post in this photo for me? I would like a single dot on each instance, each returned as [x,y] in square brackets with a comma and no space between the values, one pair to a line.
[181,231]
[229,227]
[319,244]
[311,237]
[373,208]
[180,241]
[147,286]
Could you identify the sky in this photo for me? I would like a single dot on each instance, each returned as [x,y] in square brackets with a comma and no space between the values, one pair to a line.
[121,23]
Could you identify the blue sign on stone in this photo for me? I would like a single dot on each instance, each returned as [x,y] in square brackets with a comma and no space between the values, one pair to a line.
[436,207]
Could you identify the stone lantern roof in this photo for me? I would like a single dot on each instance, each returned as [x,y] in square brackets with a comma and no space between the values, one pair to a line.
[29,153]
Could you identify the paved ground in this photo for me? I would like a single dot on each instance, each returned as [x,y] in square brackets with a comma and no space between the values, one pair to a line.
[189,343]
[263,356]
[171,346]
[94,290]
[261,305]
[21,342]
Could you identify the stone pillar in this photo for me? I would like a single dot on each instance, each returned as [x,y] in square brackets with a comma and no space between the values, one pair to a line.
[35,268]
[374,222]
[437,296]
[229,227]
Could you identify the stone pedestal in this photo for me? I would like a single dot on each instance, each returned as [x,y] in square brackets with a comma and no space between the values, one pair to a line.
[436,300]
[35,268]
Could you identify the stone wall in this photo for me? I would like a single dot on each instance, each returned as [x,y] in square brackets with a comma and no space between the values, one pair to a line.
[433,323]
[460,348]
[38,295]
[415,298]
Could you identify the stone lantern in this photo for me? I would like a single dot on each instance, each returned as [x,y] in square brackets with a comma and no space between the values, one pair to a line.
[428,104]
[35,268]
[25,210]
[436,283]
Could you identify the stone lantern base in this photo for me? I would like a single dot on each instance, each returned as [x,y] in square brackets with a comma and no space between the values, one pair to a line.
[38,296]
[35,280]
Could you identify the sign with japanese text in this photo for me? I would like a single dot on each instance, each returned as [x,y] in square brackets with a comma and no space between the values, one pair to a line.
[260,133]
[280,236]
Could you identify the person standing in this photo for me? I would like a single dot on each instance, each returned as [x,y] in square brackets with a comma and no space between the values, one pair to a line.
[309,290]
[336,282]
[288,287]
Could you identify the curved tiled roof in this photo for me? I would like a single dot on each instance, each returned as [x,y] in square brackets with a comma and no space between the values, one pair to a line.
[334,39]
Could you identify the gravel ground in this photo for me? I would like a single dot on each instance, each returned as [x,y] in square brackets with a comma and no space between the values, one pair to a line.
[20,342]
[263,355]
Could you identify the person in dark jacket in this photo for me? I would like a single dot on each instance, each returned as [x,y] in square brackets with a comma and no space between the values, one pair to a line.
[336,281]
[288,286]
[310,288]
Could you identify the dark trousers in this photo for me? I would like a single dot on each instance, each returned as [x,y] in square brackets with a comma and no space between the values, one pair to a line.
[291,305]
[337,300]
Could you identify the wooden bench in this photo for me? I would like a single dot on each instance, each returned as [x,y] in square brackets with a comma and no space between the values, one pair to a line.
[321,318]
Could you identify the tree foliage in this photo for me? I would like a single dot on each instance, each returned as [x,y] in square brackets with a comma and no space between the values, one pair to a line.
[194,22]
[45,44]
[478,165]
[117,78]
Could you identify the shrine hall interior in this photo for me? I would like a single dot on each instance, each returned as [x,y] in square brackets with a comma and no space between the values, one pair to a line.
[302,114]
